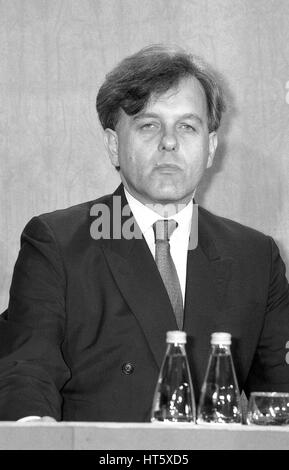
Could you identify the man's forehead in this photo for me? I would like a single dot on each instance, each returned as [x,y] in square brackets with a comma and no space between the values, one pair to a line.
[188,90]
[189,86]
[178,102]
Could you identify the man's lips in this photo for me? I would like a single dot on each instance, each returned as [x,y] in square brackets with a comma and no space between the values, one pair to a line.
[167,167]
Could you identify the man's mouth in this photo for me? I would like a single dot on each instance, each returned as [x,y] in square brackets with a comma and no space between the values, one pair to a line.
[167,167]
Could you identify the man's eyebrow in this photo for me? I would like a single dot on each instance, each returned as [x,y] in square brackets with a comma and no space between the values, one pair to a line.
[142,115]
[192,116]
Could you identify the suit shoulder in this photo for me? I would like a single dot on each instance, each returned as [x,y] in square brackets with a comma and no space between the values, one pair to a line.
[230,230]
[66,224]
[76,214]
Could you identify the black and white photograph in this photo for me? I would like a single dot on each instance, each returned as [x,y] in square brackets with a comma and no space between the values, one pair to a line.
[144,227]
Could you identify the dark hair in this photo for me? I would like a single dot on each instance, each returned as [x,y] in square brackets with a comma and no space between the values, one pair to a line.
[154,70]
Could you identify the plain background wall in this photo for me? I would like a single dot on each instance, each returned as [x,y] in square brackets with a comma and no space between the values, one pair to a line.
[54,55]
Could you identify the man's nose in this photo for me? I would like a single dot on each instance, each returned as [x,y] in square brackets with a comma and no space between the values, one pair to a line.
[168,142]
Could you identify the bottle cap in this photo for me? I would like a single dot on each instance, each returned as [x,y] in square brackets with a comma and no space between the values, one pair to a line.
[176,337]
[221,338]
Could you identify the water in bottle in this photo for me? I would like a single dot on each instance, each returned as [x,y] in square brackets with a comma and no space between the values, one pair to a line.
[174,397]
[220,397]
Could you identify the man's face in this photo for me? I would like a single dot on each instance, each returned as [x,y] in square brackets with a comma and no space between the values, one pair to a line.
[164,150]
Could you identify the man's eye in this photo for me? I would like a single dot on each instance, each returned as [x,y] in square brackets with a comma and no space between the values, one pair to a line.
[188,127]
[148,125]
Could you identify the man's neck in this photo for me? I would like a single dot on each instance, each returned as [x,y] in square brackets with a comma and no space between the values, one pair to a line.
[164,210]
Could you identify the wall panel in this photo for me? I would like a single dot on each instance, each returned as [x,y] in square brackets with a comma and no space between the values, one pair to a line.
[53,57]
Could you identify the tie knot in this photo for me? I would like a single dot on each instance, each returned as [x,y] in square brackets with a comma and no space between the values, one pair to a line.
[164,228]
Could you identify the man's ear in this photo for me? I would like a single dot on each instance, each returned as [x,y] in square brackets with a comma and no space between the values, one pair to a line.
[111,144]
[213,142]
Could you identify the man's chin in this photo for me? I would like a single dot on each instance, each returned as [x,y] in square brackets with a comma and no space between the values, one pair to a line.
[169,197]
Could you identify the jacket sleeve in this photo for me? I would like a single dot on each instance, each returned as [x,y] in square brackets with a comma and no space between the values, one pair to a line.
[270,369]
[32,367]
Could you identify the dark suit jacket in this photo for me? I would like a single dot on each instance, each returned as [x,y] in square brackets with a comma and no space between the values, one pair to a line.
[84,335]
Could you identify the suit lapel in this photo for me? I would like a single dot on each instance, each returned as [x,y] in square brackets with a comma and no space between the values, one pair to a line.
[207,281]
[208,274]
[138,278]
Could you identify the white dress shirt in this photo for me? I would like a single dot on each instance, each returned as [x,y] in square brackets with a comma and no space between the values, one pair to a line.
[146,217]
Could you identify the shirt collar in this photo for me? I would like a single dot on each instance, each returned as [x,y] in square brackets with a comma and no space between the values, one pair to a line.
[146,217]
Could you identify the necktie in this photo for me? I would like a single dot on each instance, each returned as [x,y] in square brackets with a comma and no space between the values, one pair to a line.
[163,230]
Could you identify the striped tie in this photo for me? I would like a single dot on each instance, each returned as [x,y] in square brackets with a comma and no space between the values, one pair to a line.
[163,230]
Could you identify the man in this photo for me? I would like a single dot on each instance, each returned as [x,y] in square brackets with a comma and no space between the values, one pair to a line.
[90,302]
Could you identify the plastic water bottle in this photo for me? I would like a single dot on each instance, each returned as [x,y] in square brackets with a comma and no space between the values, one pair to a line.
[220,400]
[174,397]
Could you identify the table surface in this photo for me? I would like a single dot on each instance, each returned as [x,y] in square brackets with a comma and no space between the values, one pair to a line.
[142,436]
